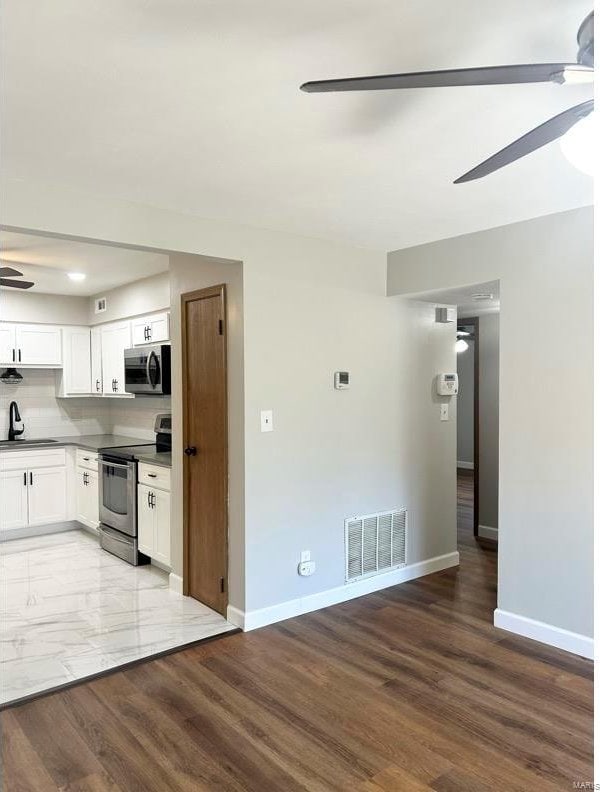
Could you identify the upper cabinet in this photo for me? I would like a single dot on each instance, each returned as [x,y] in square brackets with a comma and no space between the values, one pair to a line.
[152,329]
[115,339]
[96,360]
[30,345]
[75,377]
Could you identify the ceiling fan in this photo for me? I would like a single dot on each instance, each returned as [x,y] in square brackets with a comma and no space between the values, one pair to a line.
[580,72]
[14,284]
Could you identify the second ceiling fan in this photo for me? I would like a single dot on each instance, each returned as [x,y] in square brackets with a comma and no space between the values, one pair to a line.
[580,72]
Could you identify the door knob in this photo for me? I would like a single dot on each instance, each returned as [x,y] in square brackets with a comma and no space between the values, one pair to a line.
[190,451]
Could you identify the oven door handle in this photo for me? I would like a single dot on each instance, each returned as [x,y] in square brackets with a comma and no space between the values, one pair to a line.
[106,463]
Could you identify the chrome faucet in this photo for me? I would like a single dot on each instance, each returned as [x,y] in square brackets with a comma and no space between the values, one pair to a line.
[14,416]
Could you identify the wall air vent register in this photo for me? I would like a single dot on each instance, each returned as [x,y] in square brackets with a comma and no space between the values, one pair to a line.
[375,543]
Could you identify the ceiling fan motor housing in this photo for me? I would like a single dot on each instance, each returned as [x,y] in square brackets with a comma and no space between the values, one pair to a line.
[585,39]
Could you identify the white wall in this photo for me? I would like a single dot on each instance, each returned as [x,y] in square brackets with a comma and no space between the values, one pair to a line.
[545,267]
[132,299]
[310,307]
[489,373]
[27,306]
[465,404]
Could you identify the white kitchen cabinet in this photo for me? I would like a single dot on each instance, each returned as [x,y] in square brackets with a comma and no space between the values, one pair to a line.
[116,338]
[33,488]
[152,329]
[75,377]
[96,359]
[14,509]
[154,522]
[47,495]
[8,344]
[86,496]
[30,345]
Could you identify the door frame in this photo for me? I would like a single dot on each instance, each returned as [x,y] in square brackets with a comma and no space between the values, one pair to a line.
[474,321]
[220,291]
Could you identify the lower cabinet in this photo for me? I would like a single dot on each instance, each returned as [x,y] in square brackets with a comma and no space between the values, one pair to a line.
[86,497]
[14,512]
[34,488]
[154,523]
[47,495]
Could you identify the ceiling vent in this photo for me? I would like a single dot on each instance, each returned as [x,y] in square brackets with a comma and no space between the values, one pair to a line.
[375,543]
[100,305]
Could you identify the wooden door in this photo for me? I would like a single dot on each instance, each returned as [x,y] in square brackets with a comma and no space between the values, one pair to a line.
[205,446]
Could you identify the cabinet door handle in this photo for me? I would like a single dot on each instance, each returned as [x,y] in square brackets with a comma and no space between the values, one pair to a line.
[30,479]
[97,385]
[149,501]
[151,475]
[19,355]
[153,501]
[14,356]
[86,459]
[25,479]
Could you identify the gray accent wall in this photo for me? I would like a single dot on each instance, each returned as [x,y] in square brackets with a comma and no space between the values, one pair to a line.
[545,509]
[489,354]
[465,406]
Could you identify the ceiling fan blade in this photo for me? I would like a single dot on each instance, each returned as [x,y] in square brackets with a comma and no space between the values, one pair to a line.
[8,271]
[486,75]
[545,133]
[15,284]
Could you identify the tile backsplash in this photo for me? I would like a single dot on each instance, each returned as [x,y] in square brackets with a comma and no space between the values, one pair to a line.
[45,415]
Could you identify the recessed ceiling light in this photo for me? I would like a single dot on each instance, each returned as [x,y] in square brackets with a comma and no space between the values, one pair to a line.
[76,276]
[482,296]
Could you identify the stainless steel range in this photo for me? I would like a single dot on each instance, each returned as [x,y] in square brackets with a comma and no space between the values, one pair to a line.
[118,494]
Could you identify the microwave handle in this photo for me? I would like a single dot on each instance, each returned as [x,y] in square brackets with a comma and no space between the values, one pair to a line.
[151,380]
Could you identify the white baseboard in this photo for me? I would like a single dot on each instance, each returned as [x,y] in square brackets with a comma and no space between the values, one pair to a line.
[251,620]
[176,583]
[235,616]
[465,465]
[487,532]
[545,633]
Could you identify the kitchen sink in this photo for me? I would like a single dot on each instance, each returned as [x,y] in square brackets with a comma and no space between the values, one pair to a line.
[13,443]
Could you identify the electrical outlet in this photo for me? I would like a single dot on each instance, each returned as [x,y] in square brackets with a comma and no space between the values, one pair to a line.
[305,555]
[306,568]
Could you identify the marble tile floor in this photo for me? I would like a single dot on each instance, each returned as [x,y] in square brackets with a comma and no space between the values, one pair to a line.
[70,610]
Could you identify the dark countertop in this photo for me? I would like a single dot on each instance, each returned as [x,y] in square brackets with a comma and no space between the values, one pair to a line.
[89,442]
[162,458]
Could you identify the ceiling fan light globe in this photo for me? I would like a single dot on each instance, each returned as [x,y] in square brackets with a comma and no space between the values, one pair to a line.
[580,145]
[461,346]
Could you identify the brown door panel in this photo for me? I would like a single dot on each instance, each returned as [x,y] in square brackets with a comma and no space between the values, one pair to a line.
[205,437]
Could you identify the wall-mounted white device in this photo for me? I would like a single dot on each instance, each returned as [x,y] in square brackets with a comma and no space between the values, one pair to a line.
[341,380]
[447,384]
[445,315]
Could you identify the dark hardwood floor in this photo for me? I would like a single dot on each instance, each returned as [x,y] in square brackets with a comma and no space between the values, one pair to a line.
[407,689]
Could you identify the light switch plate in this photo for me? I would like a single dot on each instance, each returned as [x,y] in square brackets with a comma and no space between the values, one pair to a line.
[305,555]
[266,420]
[444,412]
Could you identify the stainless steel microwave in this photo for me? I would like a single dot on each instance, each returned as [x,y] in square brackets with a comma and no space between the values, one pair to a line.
[148,370]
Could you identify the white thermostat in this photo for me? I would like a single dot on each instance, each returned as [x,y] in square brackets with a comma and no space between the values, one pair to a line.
[447,384]
[341,380]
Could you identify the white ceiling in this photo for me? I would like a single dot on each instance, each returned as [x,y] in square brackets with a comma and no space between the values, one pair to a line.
[46,261]
[463,298]
[194,105]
